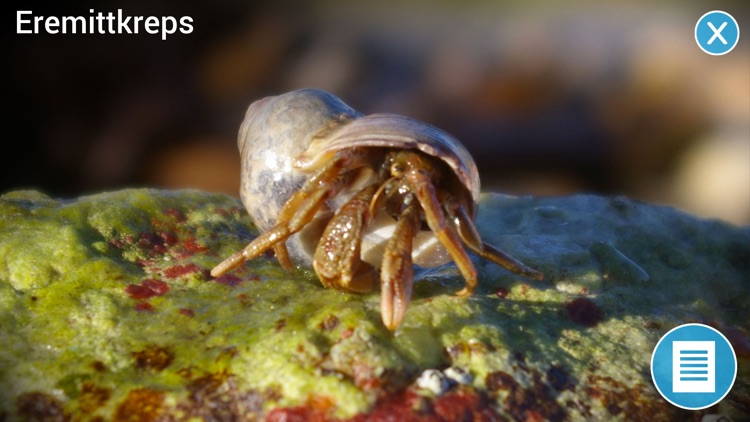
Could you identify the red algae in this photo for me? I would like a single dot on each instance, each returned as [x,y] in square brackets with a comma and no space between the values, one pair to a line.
[501,292]
[317,409]
[168,235]
[296,414]
[175,214]
[462,404]
[144,307]
[147,289]
[584,312]
[176,271]
[151,243]
[157,286]
[138,292]
[187,312]
[191,245]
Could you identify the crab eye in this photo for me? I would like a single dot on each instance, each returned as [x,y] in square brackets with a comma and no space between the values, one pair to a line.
[397,169]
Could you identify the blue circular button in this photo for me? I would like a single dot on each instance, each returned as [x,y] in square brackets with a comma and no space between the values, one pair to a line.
[693,366]
[717,33]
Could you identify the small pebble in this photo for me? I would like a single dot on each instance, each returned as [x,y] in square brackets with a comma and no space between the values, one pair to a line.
[458,375]
[433,381]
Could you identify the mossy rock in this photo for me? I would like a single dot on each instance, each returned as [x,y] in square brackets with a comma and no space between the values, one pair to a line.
[108,312]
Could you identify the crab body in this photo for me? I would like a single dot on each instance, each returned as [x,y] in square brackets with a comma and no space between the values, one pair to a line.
[361,199]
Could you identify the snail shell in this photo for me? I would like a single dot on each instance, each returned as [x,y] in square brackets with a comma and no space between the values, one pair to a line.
[284,138]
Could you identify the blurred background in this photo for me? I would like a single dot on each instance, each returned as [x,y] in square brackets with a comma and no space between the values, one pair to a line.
[551,98]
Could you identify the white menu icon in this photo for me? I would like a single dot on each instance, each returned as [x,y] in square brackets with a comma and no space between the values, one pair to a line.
[693,366]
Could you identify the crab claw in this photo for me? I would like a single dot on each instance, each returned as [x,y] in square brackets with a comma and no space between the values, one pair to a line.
[394,297]
[397,271]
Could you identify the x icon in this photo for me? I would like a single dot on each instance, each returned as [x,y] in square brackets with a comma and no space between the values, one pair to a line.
[717,33]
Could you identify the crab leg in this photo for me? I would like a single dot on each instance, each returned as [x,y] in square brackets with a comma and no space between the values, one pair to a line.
[462,223]
[278,233]
[295,206]
[422,186]
[396,270]
[469,235]
[337,258]
[297,211]
[508,262]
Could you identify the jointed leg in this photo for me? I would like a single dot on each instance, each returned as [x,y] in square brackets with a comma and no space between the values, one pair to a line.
[506,261]
[469,235]
[278,233]
[337,258]
[397,271]
[282,255]
[462,222]
[297,211]
[424,189]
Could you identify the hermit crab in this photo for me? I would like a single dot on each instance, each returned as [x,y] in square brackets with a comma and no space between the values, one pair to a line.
[362,199]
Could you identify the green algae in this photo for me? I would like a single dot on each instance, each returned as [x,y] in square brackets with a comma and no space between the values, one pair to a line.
[106,306]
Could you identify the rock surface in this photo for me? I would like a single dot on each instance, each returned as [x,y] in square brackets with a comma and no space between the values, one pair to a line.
[107,311]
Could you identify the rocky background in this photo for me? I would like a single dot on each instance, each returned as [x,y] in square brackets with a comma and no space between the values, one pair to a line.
[551,99]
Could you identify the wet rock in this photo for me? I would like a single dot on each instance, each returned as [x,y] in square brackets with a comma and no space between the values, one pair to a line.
[107,310]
